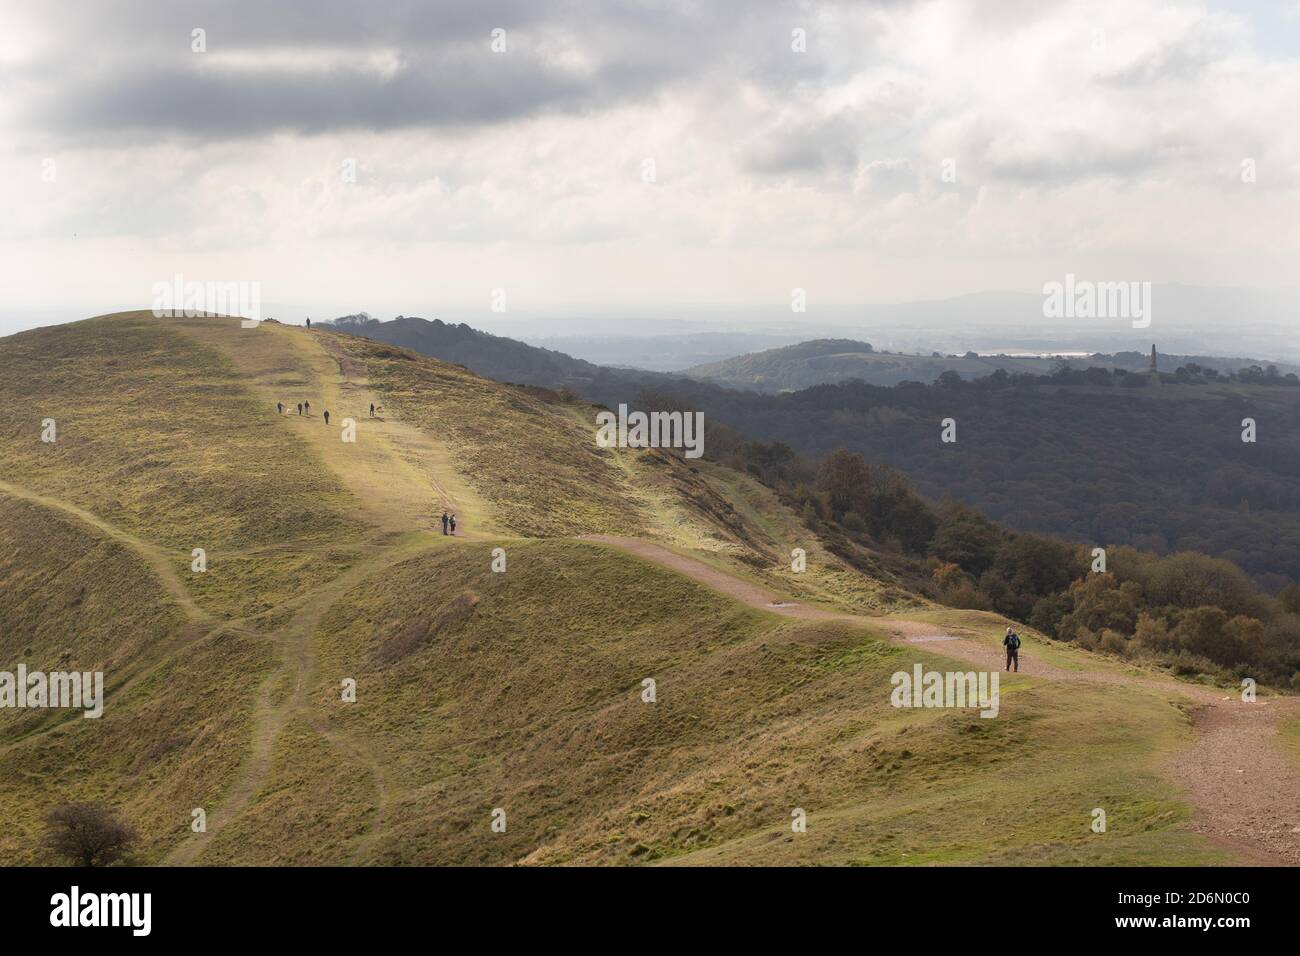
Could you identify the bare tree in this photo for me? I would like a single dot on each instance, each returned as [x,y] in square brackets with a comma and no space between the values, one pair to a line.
[88,834]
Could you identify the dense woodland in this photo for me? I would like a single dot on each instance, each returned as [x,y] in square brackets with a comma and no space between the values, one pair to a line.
[1196,614]
[1092,456]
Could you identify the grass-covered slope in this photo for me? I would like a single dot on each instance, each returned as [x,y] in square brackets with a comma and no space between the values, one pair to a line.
[158,437]
[530,456]
[176,721]
[476,689]
[523,691]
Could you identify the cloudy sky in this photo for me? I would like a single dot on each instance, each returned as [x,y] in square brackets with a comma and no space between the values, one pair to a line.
[620,158]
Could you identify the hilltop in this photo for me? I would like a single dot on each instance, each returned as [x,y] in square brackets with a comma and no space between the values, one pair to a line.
[520,691]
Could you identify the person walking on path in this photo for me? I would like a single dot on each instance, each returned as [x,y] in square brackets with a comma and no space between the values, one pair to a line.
[372,409]
[300,408]
[327,416]
[279,408]
[308,323]
[453,524]
[1012,644]
[444,522]
[306,407]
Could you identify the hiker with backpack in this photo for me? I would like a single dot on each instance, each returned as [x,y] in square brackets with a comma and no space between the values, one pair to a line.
[306,407]
[1012,644]
[453,524]
[445,521]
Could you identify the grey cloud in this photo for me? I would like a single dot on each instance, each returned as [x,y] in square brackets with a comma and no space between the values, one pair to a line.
[799,154]
[127,68]
[450,92]
[878,126]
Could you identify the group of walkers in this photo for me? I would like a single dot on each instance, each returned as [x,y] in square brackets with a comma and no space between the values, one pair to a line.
[304,408]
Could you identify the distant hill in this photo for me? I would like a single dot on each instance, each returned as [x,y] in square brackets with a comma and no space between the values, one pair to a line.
[494,356]
[832,361]
[787,369]
[665,352]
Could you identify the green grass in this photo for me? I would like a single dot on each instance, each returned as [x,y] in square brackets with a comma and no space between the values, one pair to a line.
[157,436]
[177,709]
[1289,737]
[281,828]
[479,690]
[539,471]
[532,704]
[826,580]
[961,790]
[71,597]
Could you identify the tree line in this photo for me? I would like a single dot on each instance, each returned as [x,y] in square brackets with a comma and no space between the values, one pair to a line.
[1160,467]
[1194,613]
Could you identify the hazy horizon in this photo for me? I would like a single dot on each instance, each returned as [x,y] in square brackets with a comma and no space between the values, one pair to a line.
[1188,320]
[634,168]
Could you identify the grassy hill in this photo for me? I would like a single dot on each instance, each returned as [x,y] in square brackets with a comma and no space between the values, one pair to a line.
[478,690]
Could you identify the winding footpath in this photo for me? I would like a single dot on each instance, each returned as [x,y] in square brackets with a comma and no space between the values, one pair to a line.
[1243,788]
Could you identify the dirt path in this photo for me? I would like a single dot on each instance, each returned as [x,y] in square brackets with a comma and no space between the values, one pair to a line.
[399,475]
[424,463]
[1244,791]
[274,707]
[721,581]
[160,562]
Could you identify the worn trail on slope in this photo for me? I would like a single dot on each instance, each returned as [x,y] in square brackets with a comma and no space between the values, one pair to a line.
[1244,791]
[391,467]
[271,716]
[718,580]
[388,472]
[160,562]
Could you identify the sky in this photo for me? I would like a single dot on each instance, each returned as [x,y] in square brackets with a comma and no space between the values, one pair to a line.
[639,161]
